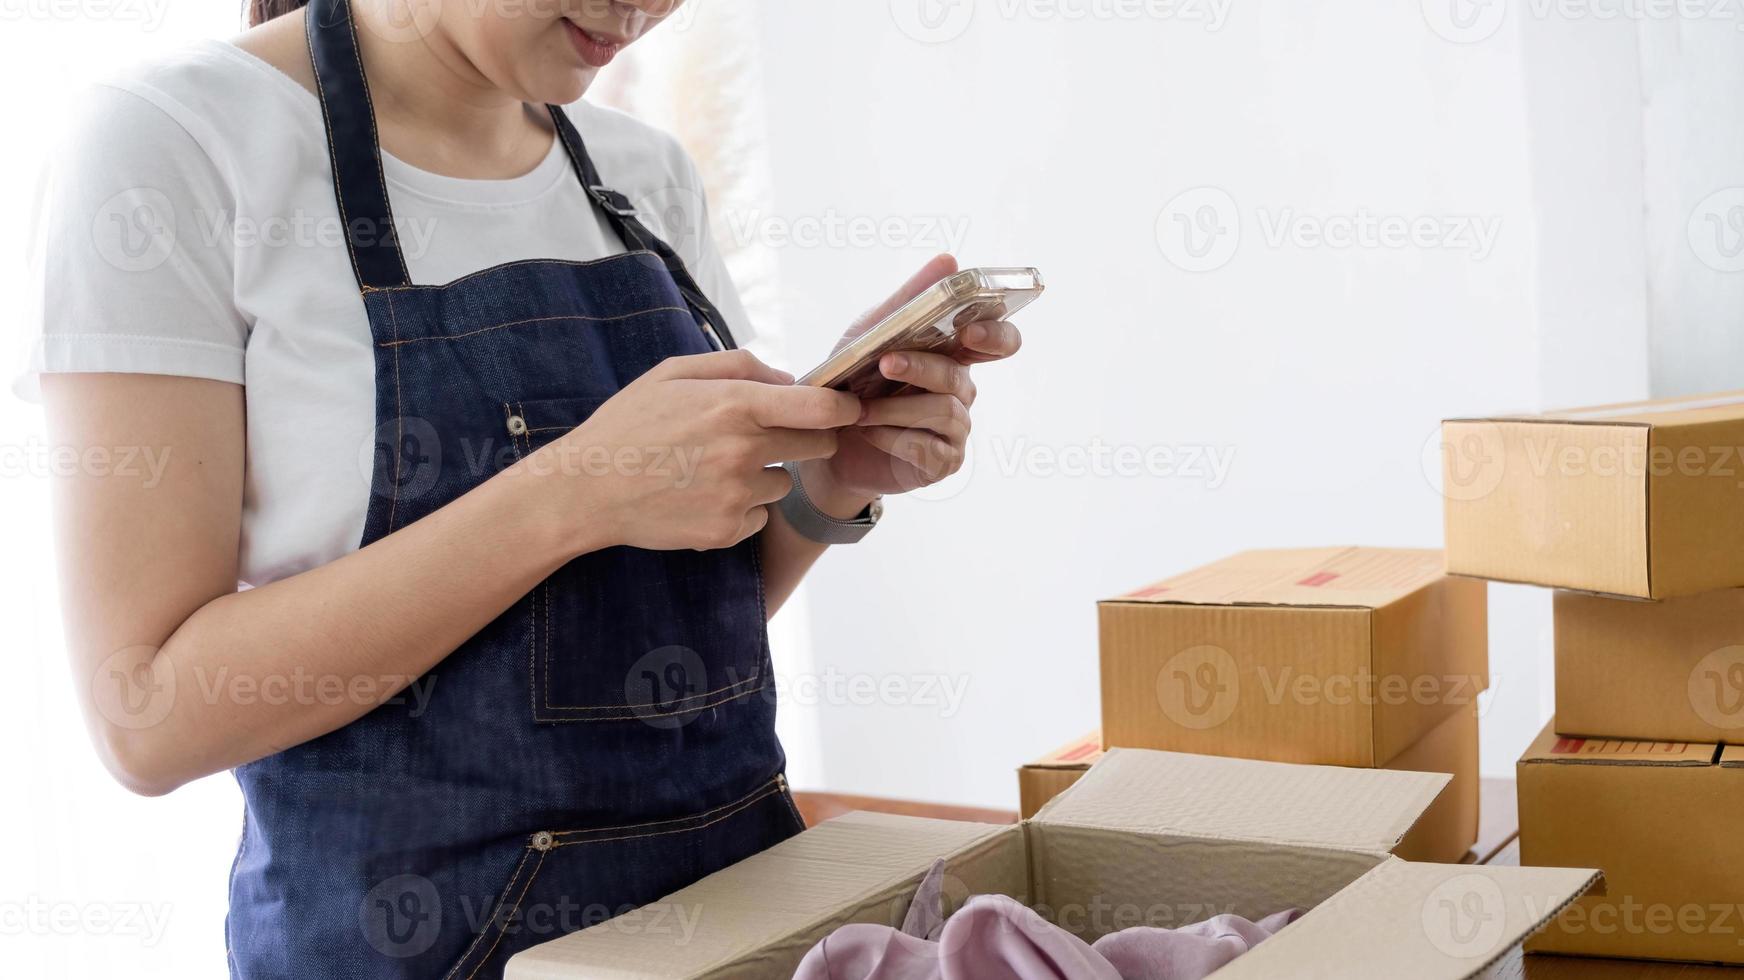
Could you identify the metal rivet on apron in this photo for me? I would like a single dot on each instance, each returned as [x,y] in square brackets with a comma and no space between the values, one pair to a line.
[542,841]
[517,425]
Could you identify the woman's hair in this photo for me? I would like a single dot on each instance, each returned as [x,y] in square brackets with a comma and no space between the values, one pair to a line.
[261,11]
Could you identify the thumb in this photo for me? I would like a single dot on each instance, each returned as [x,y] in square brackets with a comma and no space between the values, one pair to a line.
[936,268]
[727,365]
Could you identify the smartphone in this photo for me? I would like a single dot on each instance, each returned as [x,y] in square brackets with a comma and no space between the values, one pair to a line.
[929,322]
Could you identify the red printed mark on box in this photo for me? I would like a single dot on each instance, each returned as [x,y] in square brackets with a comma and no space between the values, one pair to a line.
[1080,751]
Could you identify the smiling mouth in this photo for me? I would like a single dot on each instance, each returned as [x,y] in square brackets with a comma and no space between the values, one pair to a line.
[596,50]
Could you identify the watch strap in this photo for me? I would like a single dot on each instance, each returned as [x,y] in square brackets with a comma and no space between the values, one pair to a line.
[815,525]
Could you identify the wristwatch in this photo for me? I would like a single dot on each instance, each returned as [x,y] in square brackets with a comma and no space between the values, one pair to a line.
[815,525]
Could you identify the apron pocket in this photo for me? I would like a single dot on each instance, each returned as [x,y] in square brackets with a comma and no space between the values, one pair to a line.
[630,634]
[551,890]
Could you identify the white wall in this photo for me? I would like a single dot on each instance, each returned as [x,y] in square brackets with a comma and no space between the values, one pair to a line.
[1064,143]
[1691,76]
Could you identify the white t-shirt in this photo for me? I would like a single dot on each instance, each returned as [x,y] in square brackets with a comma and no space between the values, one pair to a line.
[191,230]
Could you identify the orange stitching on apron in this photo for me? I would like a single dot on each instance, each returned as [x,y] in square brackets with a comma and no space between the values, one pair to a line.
[540,679]
[503,929]
[793,809]
[333,157]
[399,421]
[375,140]
[656,704]
[576,263]
[532,597]
[715,815]
[513,877]
[537,319]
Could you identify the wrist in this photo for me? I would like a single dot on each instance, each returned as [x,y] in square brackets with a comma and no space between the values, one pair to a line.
[573,509]
[828,495]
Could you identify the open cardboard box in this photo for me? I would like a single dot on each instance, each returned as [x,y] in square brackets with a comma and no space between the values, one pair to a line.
[1144,838]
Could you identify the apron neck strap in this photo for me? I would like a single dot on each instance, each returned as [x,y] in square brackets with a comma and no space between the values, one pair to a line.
[354,147]
[620,213]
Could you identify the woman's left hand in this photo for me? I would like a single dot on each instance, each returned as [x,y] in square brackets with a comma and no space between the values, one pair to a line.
[917,438]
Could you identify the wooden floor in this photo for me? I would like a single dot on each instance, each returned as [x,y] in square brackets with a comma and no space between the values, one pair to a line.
[1498,844]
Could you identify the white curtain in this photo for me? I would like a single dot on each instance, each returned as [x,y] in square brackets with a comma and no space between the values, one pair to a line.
[697,76]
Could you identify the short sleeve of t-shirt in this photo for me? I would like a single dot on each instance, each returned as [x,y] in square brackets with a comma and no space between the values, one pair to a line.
[132,272]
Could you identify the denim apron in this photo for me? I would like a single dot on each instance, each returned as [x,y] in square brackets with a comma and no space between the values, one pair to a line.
[609,738]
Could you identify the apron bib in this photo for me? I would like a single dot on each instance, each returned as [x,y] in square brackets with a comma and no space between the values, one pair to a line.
[610,738]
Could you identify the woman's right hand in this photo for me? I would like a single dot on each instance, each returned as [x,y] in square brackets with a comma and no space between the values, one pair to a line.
[688,454]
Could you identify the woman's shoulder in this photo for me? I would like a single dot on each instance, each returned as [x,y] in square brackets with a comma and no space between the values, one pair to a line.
[211,91]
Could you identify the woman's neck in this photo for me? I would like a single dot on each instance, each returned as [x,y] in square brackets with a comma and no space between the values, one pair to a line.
[436,111]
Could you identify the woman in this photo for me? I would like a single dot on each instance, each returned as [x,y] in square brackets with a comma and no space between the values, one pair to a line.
[502,494]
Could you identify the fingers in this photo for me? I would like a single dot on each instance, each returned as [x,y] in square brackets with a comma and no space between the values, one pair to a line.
[727,365]
[770,485]
[796,445]
[936,268]
[988,340]
[934,457]
[943,415]
[756,519]
[930,372]
[802,407]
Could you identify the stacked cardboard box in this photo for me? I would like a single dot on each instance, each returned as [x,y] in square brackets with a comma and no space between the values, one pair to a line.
[1049,776]
[1637,512]
[1363,657]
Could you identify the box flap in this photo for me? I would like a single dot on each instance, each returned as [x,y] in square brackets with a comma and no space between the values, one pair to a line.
[1076,754]
[1553,749]
[859,867]
[1361,578]
[1213,798]
[1425,921]
[1732,757]
[1659,412]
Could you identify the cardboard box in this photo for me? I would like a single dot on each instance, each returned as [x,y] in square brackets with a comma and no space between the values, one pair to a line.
[1644,499]
[1661,820]
[1671,670]
[1449,827]
[1144,838]
[1048,776]
[1331,656]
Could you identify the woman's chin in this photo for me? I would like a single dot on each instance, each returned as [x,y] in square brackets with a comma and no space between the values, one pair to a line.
[558,88]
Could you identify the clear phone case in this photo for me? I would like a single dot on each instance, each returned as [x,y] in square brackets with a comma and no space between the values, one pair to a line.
[929,322]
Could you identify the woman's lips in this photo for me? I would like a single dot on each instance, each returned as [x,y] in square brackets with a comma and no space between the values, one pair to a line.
[593,49]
